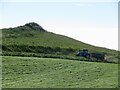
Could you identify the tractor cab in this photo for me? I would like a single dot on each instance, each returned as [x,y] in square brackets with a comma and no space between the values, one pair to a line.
[83,53]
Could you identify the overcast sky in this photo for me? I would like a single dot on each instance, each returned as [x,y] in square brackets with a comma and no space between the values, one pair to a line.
[93,22]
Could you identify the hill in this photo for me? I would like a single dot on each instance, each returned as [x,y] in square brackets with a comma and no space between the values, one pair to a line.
[33,40]
[31,72]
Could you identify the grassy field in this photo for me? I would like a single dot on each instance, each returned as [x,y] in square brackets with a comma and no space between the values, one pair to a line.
[31,72]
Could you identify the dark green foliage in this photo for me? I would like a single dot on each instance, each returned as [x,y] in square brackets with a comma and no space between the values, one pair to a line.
[24,54]
[37,49]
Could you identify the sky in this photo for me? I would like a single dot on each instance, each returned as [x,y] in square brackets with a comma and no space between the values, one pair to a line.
[95,23]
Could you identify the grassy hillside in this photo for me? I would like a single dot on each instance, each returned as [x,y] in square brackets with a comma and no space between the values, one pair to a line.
[28,72]
[29,39]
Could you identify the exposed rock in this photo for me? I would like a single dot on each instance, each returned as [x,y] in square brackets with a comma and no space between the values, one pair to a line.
[35,26]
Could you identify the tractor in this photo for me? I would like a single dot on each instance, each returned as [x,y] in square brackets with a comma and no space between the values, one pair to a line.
[87,54]
[84,53]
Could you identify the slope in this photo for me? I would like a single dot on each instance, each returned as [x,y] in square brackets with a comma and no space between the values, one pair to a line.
[33,38]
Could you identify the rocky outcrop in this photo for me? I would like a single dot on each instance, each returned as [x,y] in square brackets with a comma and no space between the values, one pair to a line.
[35,26]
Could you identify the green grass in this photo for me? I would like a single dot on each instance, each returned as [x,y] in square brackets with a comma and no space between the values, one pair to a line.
[28,40]
[31,72]
[25,35]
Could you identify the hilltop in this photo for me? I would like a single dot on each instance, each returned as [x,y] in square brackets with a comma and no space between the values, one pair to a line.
[32,39]
[34,26]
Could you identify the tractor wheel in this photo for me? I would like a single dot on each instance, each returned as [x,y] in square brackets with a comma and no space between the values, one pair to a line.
[88,56]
